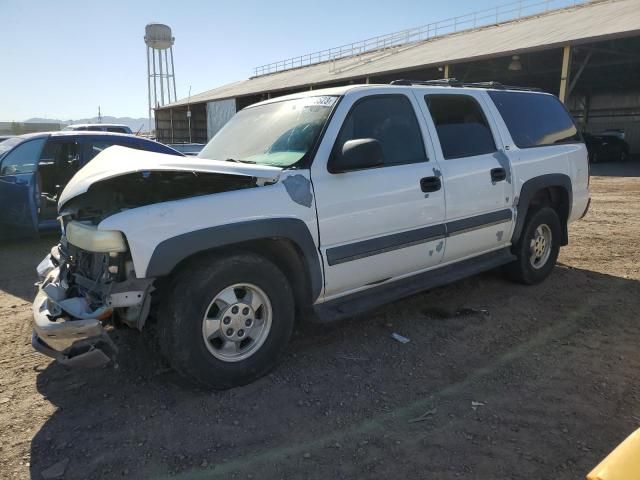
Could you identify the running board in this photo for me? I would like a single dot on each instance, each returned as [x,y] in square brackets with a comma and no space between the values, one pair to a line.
[371,298]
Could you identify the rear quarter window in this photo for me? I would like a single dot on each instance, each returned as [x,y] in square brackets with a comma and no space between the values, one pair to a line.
[534,119]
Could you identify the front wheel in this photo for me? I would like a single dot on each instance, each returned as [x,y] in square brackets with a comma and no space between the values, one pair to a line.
[538,247]
[227,321]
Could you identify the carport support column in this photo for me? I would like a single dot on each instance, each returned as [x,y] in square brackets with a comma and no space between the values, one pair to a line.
[446,71]
[564,76]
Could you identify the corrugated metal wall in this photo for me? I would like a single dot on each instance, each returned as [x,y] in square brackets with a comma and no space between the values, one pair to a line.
[219,113]
[620,110]
[172,125]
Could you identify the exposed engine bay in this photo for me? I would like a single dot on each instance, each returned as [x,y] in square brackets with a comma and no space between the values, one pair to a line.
[137,189]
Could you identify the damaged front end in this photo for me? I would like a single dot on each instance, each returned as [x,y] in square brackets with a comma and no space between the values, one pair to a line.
[87,283]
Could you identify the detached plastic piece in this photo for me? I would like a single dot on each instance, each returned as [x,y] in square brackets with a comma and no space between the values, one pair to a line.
[621,464]
[78,307]
[399,338]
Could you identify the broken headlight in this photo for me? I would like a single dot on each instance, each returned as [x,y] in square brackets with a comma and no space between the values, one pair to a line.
[89,238]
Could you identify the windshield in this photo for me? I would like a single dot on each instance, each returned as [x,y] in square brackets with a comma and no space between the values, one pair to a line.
[278,133]
[9,144]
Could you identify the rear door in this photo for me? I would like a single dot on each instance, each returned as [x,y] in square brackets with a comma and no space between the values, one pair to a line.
[476,173]
[18,187]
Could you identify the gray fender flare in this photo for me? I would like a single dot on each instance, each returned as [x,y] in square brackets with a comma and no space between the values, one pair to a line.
[529,190]
[172,251]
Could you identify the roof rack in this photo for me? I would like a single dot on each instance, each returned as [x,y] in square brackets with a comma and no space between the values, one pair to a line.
[453,82]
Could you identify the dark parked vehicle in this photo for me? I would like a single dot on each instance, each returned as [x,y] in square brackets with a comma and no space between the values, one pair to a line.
[606,148]
[35,168]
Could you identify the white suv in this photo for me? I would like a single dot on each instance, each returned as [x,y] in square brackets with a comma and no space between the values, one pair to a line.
[317,206]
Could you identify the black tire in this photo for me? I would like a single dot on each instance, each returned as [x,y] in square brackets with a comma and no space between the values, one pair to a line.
[522,270]
[624,156]
[181,319]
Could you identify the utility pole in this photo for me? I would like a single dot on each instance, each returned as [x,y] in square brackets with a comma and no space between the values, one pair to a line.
[189,113]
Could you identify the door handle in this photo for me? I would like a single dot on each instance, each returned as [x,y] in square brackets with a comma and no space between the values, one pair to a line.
[498,174]
[430,184]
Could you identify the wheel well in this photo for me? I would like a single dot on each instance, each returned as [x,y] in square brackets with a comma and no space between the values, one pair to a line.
[284,253]
[557,198]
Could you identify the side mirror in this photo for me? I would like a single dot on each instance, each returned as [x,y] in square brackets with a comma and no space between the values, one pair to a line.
[357,154]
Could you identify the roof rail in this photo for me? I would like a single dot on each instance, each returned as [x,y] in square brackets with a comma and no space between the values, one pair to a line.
[453,82]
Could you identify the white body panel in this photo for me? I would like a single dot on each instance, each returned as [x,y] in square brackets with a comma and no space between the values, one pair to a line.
[367,204]
[148,226]
[357,206]
[469,191]
[579,173]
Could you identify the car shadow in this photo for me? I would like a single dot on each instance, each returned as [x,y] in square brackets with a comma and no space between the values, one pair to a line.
[630,168]
[18,262]
[139,419]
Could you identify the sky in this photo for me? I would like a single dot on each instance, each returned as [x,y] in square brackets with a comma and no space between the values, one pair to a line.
[63,58]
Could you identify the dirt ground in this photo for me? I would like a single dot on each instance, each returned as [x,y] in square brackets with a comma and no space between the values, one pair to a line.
[499,381]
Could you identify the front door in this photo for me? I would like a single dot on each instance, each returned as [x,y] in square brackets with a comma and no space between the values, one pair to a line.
[386,221]
[18,186]
[59,161]
[476,174]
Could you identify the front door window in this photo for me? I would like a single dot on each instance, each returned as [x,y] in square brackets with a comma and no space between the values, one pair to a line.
[22,159]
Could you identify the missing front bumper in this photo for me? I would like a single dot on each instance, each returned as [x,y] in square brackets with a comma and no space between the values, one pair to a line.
[81,342]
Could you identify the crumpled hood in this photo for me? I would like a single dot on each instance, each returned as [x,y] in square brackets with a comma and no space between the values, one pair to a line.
[116,160]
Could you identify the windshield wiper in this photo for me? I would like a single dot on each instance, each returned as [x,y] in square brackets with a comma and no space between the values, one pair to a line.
[235,160]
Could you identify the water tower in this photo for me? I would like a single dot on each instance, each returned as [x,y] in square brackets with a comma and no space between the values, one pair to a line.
[159,43]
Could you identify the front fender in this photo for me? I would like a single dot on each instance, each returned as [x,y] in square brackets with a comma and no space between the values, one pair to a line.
[172,251]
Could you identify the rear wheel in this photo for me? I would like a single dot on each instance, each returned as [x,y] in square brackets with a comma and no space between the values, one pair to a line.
[227,321]
[538,247]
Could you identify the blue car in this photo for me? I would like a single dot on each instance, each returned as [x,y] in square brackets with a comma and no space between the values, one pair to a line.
[35,168]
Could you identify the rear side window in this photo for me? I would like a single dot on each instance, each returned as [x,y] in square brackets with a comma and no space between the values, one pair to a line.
[391,120]
[535,120]
[94,147]
[461,125]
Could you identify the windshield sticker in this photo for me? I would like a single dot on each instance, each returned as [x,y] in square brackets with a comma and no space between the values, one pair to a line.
[323,101]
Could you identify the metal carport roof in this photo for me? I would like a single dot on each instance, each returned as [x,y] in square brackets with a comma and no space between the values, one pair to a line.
[589,22]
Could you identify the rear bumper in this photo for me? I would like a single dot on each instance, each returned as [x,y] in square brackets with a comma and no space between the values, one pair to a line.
[58,334]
